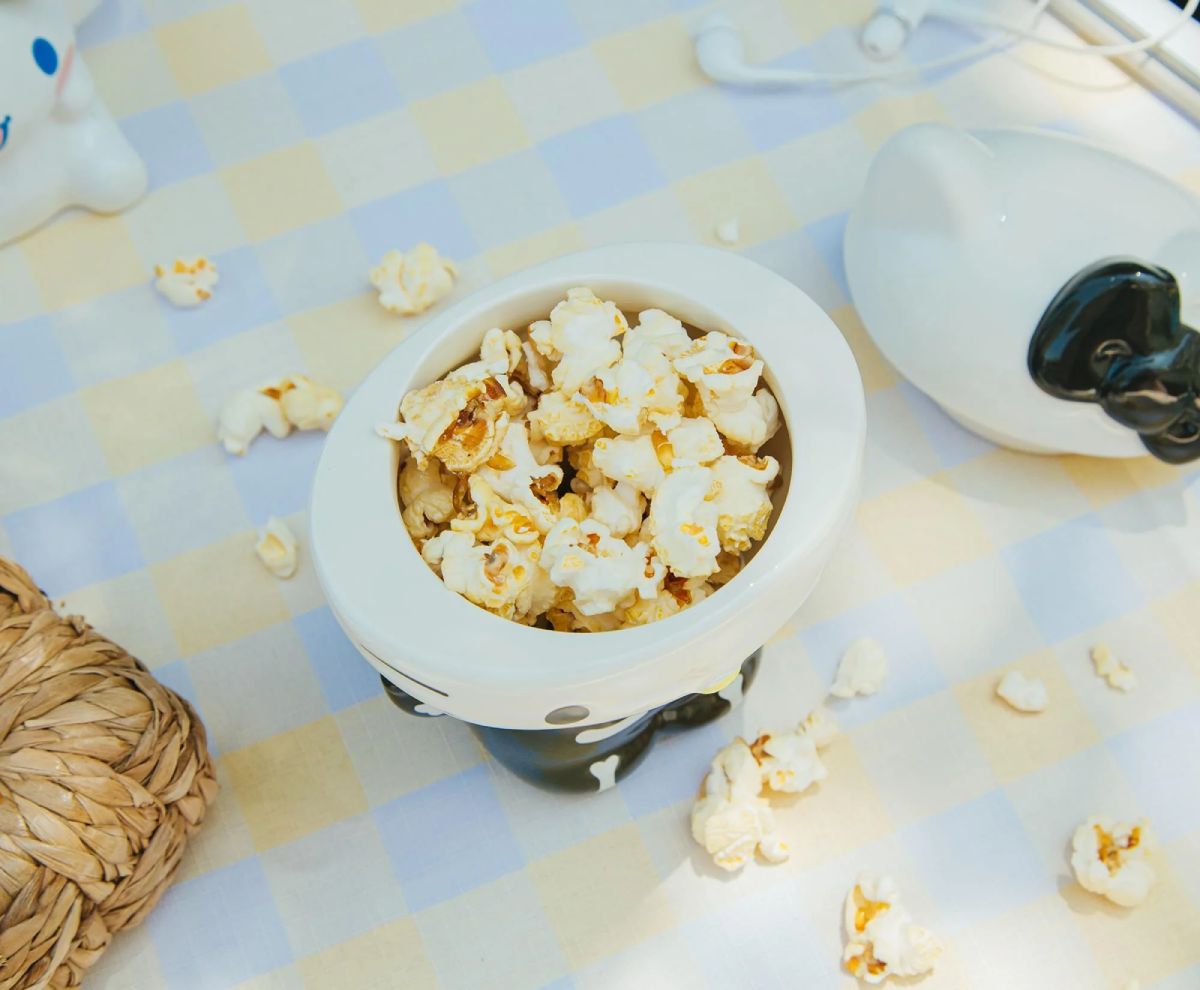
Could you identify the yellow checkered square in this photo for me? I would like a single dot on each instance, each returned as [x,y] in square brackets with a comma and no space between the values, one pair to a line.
[470,125]
[281,191]
[213,48]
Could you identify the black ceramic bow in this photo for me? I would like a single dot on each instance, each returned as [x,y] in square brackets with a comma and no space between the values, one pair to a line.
[1113,336]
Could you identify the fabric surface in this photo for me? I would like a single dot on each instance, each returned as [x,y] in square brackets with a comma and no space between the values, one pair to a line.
[295,141]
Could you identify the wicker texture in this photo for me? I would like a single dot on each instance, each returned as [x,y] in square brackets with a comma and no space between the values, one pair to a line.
[104,774]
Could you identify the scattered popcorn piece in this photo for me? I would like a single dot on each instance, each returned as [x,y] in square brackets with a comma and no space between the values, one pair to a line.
[579,335]
[245,415]
[862,669]
[684,521]
[410,282]
[1025,694]
[427,494]
[728,231]
[186,282]
[1111,669]
[619,507]
[881,939]
[789,760]
[630,459]
[820,726]
[729,819]
[741,491]
[602,571]
[694,443]
[307,404]
[1110,858]
[276,548]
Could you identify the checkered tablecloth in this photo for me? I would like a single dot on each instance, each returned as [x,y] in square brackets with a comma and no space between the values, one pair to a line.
[295,141]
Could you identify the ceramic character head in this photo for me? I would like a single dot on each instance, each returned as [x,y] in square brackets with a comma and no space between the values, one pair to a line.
[59,146]
[1113,336]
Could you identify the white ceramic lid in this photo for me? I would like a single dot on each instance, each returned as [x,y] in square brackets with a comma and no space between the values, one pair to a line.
[464,660]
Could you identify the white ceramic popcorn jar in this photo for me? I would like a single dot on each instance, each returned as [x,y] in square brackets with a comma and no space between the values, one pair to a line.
[1038,288]
[59,145]
[577,710]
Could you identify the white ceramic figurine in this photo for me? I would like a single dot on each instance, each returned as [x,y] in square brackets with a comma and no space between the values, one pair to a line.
[1041,290]
[59,145]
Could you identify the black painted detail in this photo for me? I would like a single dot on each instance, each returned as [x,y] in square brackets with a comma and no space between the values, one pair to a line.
[1113,336]
[557,760]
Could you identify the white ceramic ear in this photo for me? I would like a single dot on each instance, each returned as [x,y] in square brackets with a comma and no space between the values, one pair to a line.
[932,178]
[59,145]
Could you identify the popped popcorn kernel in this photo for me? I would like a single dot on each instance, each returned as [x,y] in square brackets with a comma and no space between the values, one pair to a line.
[409,282]
[295,401]
[881,939]
[1025,694]
[862,669]
[1111,858]
[186,282]
[729,819]
[277,548]
[1117,674]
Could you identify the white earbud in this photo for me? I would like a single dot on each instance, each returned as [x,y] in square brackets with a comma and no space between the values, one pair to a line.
[722,56]
[889,28]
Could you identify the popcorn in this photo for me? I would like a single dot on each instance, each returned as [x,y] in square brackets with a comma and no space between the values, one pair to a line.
[308,405]
[516,474]
[427,494]
[788,760]
[620,397]
[881,939]
[820,727]
[410,282]
[276,548]
[656,333]
[684,521]
[246,415]
[633,460]
[729,819]
[677,594]
[186,282]
[659,506]
[1109,858]
[749,425]
[693,443]
[459,421]
[1111,669]
[563,420]
[862,669]
[602,571]
[740,491]
[728,231]
[579,336]
[499,355]
[295,401]
[619,507]
[1025,694]
[494,575]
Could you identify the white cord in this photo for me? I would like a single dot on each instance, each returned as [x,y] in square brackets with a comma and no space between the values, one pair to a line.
[1105,51]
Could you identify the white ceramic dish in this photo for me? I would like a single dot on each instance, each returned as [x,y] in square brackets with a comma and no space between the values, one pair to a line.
[959,243]
[462,660]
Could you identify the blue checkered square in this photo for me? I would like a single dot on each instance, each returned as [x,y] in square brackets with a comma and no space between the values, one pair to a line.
[114,335]
[339,86]
[242,300]
[219,928]
[601,164]
[509,198]
[277,478]
[447,838]
[774,117]
[693,132]
[114,19]
[1167,789]
[34,367]
[673,769]
[424,213]
[168,139]
[953,444]
[316,265]
[75,540]
[828,236]
[346,678]
[1071,578]
[433,55]
[516,34]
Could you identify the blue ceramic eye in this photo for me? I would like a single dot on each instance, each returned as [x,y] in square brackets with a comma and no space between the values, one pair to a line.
[45,56]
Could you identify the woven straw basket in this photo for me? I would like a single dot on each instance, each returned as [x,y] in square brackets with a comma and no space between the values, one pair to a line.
[104,774]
